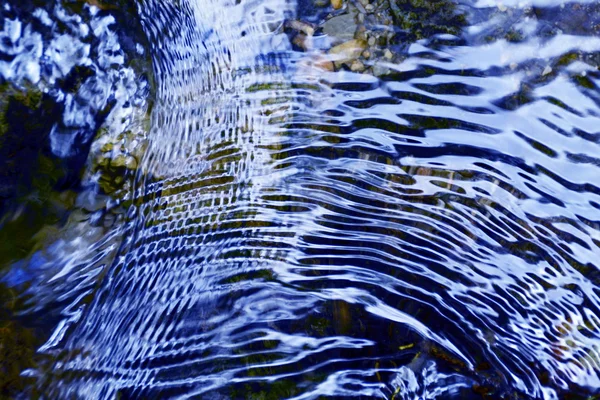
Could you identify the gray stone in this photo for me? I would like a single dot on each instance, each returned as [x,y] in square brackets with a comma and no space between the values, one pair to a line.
[340,28]
[380,70]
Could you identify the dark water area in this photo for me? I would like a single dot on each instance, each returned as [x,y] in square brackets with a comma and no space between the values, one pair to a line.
[212,199]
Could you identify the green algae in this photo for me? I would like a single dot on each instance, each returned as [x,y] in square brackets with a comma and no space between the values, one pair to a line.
[17,346]
[424,18]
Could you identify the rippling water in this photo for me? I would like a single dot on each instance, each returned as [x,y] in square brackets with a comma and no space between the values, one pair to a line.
[293,232]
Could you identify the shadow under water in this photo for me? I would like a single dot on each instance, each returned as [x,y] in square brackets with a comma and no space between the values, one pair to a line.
[290,231]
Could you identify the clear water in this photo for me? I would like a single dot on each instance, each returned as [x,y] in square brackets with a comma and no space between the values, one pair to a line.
[293,232]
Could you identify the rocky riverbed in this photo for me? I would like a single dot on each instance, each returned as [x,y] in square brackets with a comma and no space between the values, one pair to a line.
[374,37]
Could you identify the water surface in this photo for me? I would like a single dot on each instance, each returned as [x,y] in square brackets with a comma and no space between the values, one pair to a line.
[294,232]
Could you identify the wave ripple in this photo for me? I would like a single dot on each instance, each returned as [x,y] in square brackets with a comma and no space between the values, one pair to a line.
[298,233]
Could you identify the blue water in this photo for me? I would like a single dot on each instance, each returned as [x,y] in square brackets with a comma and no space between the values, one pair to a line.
[294,232]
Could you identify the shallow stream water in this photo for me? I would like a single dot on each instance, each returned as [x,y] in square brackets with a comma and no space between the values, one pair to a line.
[295,232]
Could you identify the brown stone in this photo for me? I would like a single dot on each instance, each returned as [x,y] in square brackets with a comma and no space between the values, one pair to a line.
[301,26]
[347,51]
[357,66]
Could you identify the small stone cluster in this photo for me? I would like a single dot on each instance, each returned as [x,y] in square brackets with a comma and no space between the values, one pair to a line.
[370,36]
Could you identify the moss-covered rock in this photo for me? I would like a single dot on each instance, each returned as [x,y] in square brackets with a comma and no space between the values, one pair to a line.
[30,177]
[423,18]
[17,346]
[115,156]
[26,116]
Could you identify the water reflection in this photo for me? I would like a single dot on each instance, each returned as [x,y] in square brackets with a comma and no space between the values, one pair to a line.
[294,231]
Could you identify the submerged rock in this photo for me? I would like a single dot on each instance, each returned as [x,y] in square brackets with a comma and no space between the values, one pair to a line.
[69,82]
[357,66]
[424,18]
[30,177]
[347,52]
[337,4]
[75,73]
[340,28]
[380,69]
[17,349]
[301,26]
